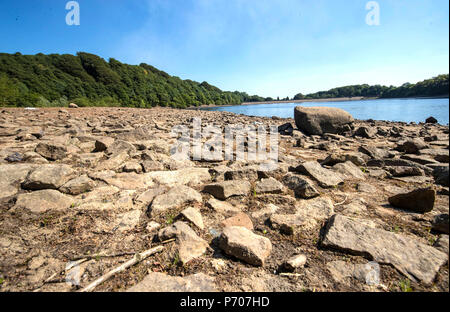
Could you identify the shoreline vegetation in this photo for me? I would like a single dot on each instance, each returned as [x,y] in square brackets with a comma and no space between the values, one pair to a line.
[88,80]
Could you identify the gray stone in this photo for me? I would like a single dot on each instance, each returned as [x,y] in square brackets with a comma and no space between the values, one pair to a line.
[190,245]
[222,207]
[295,262]
[51,151]
[48,177]
[225,189]
[326,178]
[301,186]
[186,176]
[269,185]
[43,201]
[442,243]
[414,259]
[175,197]
[78,186]
[245,245]
[288,224]
[440,175]
[103,143]
[366,132]
[160,282]
[440,223]
[349,170]
[374,152]
[193,215]
[119,146]
[420,200]
[412,146]
[320,120]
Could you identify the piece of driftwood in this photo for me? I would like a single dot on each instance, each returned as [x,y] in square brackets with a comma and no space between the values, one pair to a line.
[136,259]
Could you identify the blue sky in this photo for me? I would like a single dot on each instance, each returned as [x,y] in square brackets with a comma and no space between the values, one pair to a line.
[270,48]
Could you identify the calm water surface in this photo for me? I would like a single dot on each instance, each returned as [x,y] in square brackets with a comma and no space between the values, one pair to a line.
[407,110]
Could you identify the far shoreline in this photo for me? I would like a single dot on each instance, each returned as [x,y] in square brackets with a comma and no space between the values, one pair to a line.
[359,98]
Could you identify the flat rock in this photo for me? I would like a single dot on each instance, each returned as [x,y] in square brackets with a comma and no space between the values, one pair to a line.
[187,176]
[420,200]
[269,185]
[343,271]
[51,151]
[11,176]
[288,224]
[265,212]
[78,186]
[325,177]
[301,186]
[241,219]
[175,197]
[222,207]
[411,257]
[319,208]
[243,244]
[412,146]
[160,282]
[42,201]
[438,154]
[225,189]
[349,170]
[48,177]
[115,162]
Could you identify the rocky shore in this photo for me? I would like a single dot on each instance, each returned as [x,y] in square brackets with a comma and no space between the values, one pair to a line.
[82,190]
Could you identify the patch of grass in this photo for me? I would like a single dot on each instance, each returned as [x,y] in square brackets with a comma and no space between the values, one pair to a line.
[2,280]
[432,240]
[170,219]
[405,285]
[176,260]
[396,229]
[363,169]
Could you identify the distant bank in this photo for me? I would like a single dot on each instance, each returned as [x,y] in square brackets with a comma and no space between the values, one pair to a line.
[343,99]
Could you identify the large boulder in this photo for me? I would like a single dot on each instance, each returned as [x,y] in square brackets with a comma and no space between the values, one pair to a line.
[320,120]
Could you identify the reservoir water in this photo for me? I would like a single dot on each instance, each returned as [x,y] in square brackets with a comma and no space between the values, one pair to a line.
[407,110]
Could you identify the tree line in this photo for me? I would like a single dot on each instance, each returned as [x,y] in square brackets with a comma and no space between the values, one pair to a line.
[437,86]
[88,80]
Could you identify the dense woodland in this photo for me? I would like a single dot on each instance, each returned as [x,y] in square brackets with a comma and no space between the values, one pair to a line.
[88,80]
[437,86]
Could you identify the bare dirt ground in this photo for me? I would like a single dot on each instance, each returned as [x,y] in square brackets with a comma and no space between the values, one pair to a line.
[49,216]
